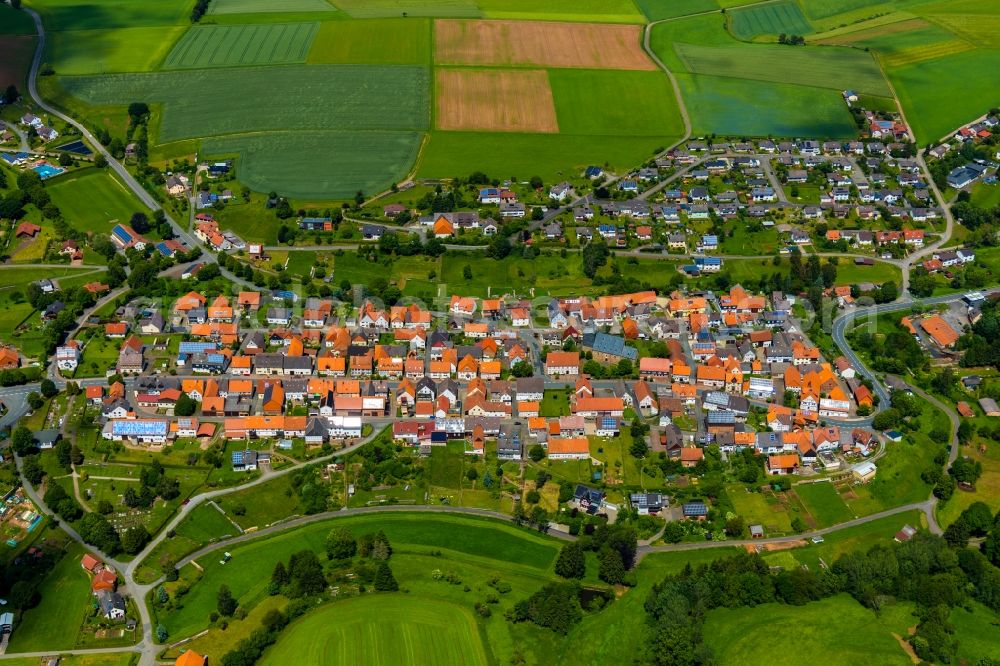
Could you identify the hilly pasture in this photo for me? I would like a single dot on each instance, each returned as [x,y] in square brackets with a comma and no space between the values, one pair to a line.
[74,52]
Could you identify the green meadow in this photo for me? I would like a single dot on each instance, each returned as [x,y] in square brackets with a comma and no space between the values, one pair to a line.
[770,634]
[409,631]
[644,103]
[551,156]
[101,51]
[107,14]
[93,200]
[657,10]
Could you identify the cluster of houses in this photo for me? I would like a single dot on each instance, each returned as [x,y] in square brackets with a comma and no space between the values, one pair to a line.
[977,170]
[104,587]
[45,133]
[320,376]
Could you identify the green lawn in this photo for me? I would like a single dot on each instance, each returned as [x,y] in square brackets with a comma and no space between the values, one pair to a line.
[387,629]
[857,538]
[65,601]
[756,510]
[824,503]
[204,524]
[752,635]
[392,41]
[232,45]
[394,8]
[93,200]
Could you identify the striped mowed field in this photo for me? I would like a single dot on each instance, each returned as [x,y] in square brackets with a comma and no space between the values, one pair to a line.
[233,45]
[381,630]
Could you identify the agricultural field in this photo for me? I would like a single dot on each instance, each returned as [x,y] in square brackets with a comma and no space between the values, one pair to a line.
[140,49]
[13,22]
[644,103]
[365,42]
[328,164]
[396,8]
[222,7]
[86,14]
[539,44]
[411,631]
[594,11]
[16,52]
[231,45]
[316,97]
[838,69]
[495,100]
[770,19]
[93,200]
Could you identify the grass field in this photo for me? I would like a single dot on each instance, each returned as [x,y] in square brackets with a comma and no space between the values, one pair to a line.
[776,18]
[717,104]
[824,503]
[962,79]
[825,8]
[87,14]
[65,600]
[314,97]
[328,165]
[978,633]
[139,49]
[393,629]
[534,43]
[755,509]
[550,156]
[204,524]
[217,7]
[392,41]
[13,22]
[595,11]
[825,67]
[657,10]
[397,8]
[251,566]
[644,103]
[748,636]
[231,45]
[93,200]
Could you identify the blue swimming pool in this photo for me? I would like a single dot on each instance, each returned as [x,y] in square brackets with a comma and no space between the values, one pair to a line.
[47,170]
